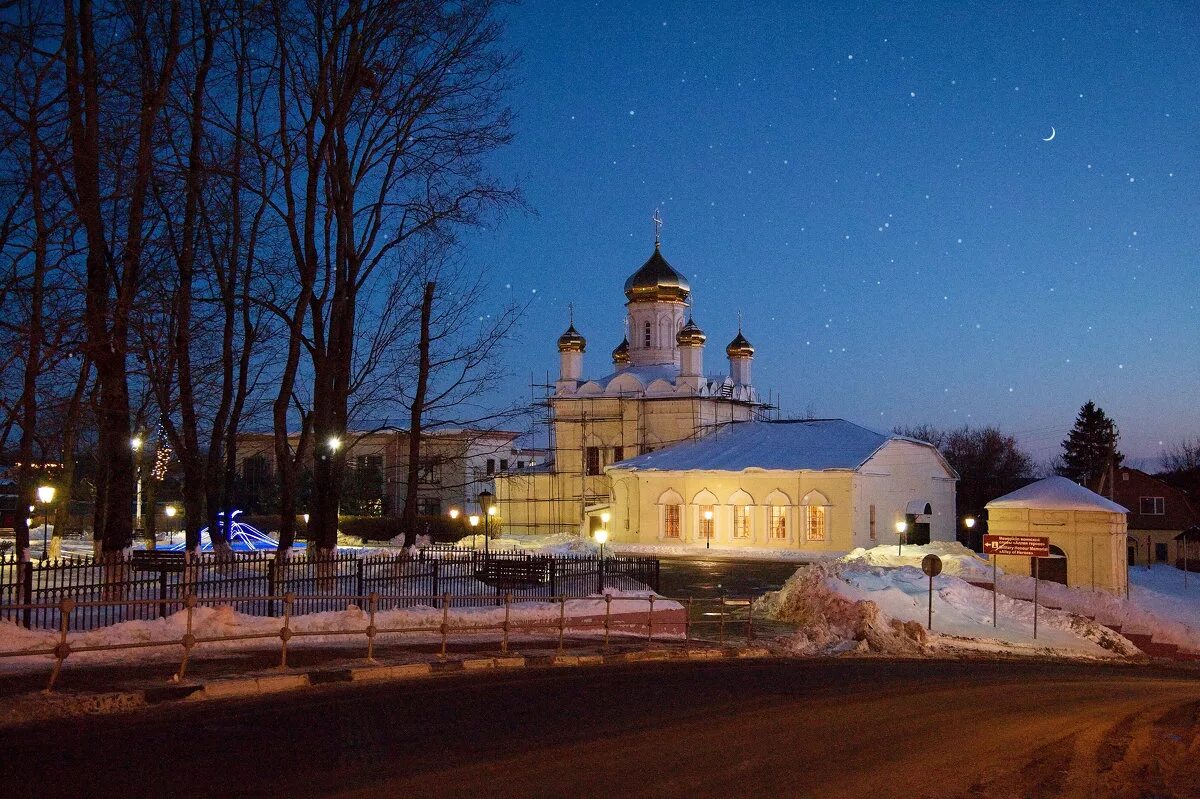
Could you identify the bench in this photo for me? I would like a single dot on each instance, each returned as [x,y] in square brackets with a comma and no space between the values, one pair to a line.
[510,573]
[157,560]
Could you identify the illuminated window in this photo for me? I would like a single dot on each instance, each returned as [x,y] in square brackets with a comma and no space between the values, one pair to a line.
[671,515]
[741,521]
[816,523]
[707,512]
[778,522]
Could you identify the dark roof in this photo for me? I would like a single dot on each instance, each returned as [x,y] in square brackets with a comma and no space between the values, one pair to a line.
[657,279]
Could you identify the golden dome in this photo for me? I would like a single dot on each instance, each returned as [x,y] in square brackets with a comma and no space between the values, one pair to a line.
[740,347]
[571,341]
[657,280]
[690,335]
[620,353]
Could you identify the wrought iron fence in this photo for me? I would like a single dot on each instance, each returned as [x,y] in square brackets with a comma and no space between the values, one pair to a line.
[150,585]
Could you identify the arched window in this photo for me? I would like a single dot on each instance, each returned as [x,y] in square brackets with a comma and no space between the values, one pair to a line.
[648,327]
[777,523]
[816,516]
[743,505]
[672,514]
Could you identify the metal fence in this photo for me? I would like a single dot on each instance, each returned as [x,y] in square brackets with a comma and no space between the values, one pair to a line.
[639,619]
[150,585]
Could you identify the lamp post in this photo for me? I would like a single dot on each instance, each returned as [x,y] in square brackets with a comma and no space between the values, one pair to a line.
[45,495]
[136,444]
[488,510]
[170,511]
[900,529]
[474,520]
[601,537]
[708,531]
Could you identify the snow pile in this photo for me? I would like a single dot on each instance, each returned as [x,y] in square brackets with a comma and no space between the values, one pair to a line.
[833,622]
[855,606]
[551,544]
[1159,604]
[957,560]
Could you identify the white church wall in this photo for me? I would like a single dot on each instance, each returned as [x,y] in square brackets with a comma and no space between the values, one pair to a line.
[898,473]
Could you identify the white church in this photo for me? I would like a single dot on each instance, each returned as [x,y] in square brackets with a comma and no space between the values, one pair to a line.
[660,451]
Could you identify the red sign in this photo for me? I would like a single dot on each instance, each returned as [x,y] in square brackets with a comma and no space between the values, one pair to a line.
[1032,546]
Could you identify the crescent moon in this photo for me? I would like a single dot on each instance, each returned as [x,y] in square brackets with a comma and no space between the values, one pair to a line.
[1052,134]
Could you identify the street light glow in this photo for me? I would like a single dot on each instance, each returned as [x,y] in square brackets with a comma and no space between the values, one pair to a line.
[601,536]
[136,442]
[474,520]
[491,510]
[334,443]
[45,494]
[708,515]
[605,516]
[969,522]
[170,511]
[901,527]
[454,513]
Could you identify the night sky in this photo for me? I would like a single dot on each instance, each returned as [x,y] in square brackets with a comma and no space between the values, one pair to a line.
[870,186]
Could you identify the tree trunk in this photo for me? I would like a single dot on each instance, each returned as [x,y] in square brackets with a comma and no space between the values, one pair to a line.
[408,520]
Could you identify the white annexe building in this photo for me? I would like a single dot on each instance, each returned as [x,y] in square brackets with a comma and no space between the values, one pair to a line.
[825,485]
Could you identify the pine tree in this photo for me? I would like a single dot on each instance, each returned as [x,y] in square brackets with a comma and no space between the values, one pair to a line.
[1090,449]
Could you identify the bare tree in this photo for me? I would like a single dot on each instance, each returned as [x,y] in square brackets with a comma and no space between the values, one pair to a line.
[116,86]
[385,112]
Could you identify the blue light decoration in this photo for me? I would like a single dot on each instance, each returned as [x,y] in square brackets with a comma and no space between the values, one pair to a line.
[242,537]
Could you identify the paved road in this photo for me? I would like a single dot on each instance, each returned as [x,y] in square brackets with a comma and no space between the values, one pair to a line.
[726,728]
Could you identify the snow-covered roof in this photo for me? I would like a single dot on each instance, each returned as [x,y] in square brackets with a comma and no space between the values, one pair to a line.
[810,444]
[1056,493]
[645,374]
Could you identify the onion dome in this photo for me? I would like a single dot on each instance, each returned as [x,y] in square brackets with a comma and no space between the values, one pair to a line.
[690,335]
[657,280]
[571,341]
[740,347]
[620,354]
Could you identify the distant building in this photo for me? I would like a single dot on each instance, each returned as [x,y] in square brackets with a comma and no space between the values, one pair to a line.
[456,465]
[820,485]
[647,444]
[1157,513]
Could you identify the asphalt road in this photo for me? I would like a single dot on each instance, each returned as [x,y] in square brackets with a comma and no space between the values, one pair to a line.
[767,728]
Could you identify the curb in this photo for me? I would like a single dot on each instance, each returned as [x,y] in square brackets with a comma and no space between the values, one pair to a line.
[262,685]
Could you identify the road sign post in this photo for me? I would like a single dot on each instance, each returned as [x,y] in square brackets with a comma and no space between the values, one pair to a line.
[932,566]
[1032,546]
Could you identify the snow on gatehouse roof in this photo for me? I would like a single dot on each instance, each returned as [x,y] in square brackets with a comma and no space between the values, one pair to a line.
[785,445]
[1056,493]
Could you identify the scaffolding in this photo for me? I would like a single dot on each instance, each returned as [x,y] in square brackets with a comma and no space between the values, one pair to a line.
[558,492]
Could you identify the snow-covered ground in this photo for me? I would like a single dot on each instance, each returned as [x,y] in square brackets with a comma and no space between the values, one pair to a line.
[876,601]
[221,621]
[1159,604]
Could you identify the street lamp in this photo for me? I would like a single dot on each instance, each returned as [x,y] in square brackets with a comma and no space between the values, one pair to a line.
[900,528]
[969,522]
[474,520]
[488,509]
[334,443]
[708,531]
[45,495]
[454,514]
[601,537]
[136,444]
